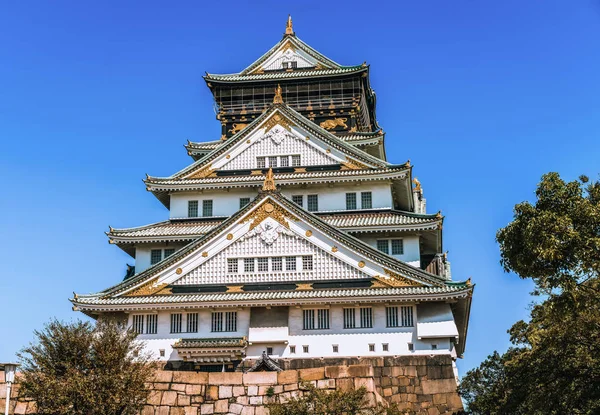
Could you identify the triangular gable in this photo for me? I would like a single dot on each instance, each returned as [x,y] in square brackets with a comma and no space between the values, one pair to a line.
[323,141]
[272,208]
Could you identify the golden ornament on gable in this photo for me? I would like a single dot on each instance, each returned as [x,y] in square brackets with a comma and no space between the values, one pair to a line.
[336,122]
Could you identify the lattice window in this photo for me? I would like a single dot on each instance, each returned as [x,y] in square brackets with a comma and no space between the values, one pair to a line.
[366,317]
[350,201]
[261,163]
[298,199]
[295,161]
[323,318]
[192,323]
[335,348]
[169,252]
[248,264]
[385,347]
[231,321]
[397,247]
[207,208]
[349,318]
[277,263]
[155,256]
[305,348]
[290,263]
[269,351]
[313,203]
[292,349]
[307,262]
[411,347]
[232,265]
[216,322]
[406,316]
[366,200]
[309,319]
[272,161]
[151,323]
[176,323]
[138,323]
[263,264]
[244,201]
[284,161]
[192,208]
[391,317]
[383,245]
[371,347]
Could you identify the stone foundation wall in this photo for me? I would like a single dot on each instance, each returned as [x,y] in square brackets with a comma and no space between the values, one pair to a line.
[419,385]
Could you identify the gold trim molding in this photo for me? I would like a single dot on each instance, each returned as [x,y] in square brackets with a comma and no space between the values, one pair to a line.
[269,210]
[149,289]
[396,280]
[277,119]
[202,173]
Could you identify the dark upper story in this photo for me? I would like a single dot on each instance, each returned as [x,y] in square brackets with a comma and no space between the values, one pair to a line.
[338,98]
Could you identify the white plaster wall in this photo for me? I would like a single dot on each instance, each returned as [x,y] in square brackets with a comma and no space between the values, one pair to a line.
[412,250]
[142,254]
[334,198]
[224,203]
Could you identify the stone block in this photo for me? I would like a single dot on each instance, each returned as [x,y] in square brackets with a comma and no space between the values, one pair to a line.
[235,408]
[252,390]
[367,383]
[360,371]
[163,376]
[162,410]
[242,400]
[225,392]
[326,384]
[225,378]
[261,410]
[180,387]
[239,391]
[183,400]
[20,408]
[287,376]
[316,373]
[256,400]
[212,393]
[290,387]
[207,409]
[433,411]
[439,399]
[222,406]
[345,384]
[177,411]
[190,410]
[453,401]
[260,378]
[200,378]
[161,386]
[154,398]
[248,410]
[169,398]
[148,410]
[438,386]
[193,389]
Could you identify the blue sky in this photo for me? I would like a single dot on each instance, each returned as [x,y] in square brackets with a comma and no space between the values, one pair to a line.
[482,96]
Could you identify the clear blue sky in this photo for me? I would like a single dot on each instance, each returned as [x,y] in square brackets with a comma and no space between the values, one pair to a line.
[482,96]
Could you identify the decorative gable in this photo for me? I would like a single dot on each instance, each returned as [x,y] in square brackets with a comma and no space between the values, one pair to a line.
[289,56]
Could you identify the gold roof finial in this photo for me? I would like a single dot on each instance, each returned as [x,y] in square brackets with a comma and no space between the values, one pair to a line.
[289,28]
[269,184]
[278,99]
[417,184]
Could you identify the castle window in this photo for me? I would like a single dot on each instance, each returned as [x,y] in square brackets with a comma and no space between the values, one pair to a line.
[263,264]
[371,347]
[305,348]
[296,161]
[298,199]
[269,351]
[169,252]
[261,162]
[192,208]
[248,264]
[151,323]
[224,321]
[192,323]
[383,246]
[289,65]
[411,347]
[292,349]
[366,317]
[397,247]
[290,263]
[232,265]
[284,161]
[244,201]
[407,316]
[155,256]
[161,352]
[313,203]
[434,347]
[273,161]
[350,201]
[207,208]
[277,263]
[176,323]
[391,316]
[404,318]
[385,347]
[336,348]
[138,323]
[366,200]
[307,263]
[349,318]
[231,321]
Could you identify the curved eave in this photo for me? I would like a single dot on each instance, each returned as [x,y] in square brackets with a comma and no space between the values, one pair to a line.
[276,76]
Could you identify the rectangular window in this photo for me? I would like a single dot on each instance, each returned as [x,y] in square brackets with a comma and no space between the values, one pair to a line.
[336,348]
[397,247]
[231,321]
[216,322]
[323,318]
[298,199]
[411,347]
[176,323]
[261,163]
[162,352]
[313,203]
[385,347]
[309,319]
[284,161]
[434,347]
[292,349]
[273,161]
[151,323]
[155,256]
[383,246]
[371,347]
[263,264]
[366,317]
[290,263]
[350,201]
[407,316]
[366,200]
[269,351]
[232,265]
[349,318]
[244,201]
[296,161]
[192,208]
[277,263]
[305,349]
[307,262]
[207,208]
[192,323]
[138,323]
[248,264]
[391,316]
[169,252]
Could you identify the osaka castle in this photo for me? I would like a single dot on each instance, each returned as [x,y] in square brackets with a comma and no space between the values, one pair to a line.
[291,235]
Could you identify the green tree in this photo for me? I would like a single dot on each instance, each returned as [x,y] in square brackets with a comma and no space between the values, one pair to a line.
[554,366]
[82,369]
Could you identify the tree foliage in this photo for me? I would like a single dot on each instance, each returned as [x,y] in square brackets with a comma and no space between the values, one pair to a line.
[82,369]
[554,364]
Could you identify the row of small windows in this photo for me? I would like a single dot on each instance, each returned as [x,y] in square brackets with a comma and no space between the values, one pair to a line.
[266,264]
[157,255]
[393,246]
[318,319]
[335,348]
[312,202]
[366,200]
[221,321]
[278,161]
[207,208]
